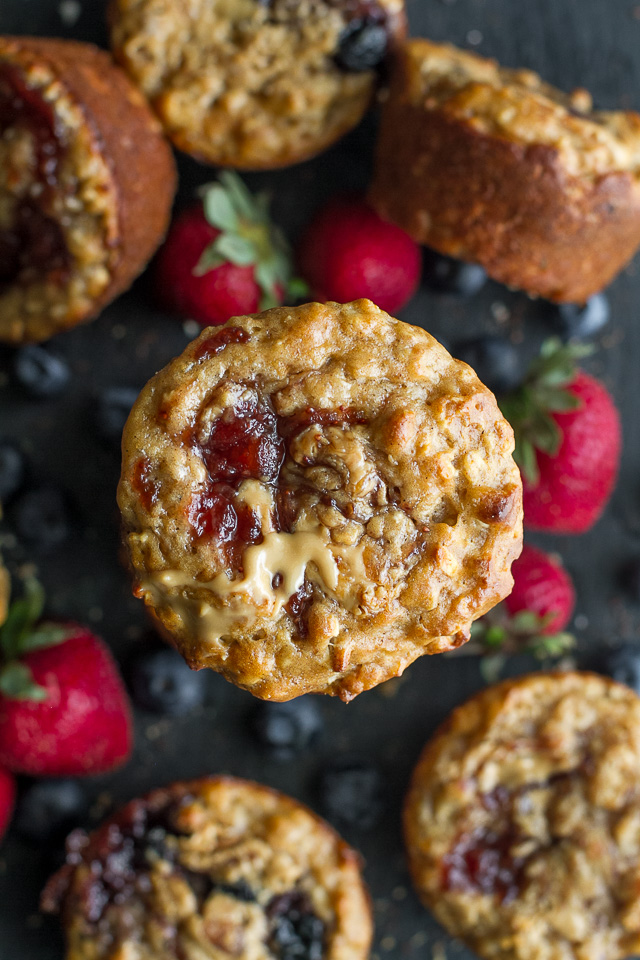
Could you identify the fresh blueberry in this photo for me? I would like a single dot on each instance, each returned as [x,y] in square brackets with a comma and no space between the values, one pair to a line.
[41,372]
[623,665]
[48,809]
[581,321]
[297,933]
[447,275]
[362,45]
[287,728]
[12,470]
[40,516]
[630,579]
[352,793]
[112,409]
[161,682]
[494,359]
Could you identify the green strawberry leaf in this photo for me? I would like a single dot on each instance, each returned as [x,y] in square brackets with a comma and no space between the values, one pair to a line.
[297,288]
[236,249]
[46,635]
[22,615]
[17,683]
[209,260]
[241,197]
[219,209]
[551,645]
[495,636]
[525,456]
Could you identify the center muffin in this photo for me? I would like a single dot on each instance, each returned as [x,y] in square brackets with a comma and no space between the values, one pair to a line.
[313,497]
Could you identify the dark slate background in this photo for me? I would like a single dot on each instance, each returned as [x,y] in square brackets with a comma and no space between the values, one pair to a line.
[594,43]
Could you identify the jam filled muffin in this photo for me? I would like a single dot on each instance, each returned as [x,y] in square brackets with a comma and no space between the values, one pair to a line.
[213,868]
[523,820]
[86,185]
[497,167]
[256,83]
[315,496]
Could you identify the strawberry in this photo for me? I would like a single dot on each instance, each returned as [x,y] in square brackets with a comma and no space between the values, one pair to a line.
[349,252]
[568,441]
[63,707]
[224,257]
[7,799]
[542,586]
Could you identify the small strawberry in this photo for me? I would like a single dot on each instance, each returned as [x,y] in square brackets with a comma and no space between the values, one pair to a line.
[349,252]
[63,707]
[7,799]
[543,586]
[224,257]
[568,441]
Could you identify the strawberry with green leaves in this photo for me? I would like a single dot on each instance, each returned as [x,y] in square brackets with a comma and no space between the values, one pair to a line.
[535,616]
[224,257]
[63,707]
[568,441]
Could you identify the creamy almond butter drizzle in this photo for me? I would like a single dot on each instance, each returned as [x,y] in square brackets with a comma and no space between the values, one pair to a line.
[337,569]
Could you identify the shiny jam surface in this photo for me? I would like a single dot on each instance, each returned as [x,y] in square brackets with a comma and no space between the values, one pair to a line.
[298,607]
[244,443]
[482,862]
[35,244]
[218,341]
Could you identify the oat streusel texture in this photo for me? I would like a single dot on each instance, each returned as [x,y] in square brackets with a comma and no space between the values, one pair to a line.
[523,820]
[209,869]
[245,83]
[376,516]
[86,185]
[496,166]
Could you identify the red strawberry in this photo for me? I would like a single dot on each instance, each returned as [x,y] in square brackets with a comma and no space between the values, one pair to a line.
[63,707]
[568,442]
[224,257]
[542,586]
[7,799]
[349,252]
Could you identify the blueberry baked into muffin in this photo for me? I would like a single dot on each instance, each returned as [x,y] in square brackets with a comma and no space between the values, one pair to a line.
[86,185]
[523,820]
[313,497]
[256,83]
[496,166]
[213,868]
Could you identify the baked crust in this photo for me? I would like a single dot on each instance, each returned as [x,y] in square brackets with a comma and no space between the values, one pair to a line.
[497,167]
[249,84]
[115,182]
[205,869]
[522,822]
[382,522]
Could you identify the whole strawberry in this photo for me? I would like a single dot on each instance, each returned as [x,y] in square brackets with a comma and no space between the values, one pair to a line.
[7,799]
[224,257]
[568,441]
[63,707]
[542,586]
[349,252]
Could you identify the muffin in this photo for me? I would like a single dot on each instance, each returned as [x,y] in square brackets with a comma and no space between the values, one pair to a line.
[497,167]
[523,820]
[313,497]
[256,84]
[213,868]
[86,185]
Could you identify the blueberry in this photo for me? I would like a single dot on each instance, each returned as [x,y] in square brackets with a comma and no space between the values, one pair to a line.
[494,359]
[630,579]
[161,682]
[297,933]
[352,793]
[112,409]
[446,275]
[287,728]
[40,517]
[48,809]
[580,321]
[41,372]
[12,470]
[362,45]
[623,665]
